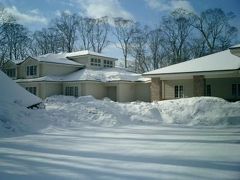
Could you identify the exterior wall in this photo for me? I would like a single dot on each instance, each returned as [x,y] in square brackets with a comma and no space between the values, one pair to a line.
[56,69]
[156,89]
[168,88]
[126,92]
[48,89]
[96,89]
[143,92]
[23,68]
[235,51]
[222,87]
[198,85]
[11,65]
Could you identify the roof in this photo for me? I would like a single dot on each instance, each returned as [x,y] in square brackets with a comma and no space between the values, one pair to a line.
[104,75]
[56,58]
[87,52]
[235,47]
[221,61]
[44,78]
[14,93]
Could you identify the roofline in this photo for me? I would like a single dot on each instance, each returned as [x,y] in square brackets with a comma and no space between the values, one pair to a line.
[189,73]
[82,65]
[234,47]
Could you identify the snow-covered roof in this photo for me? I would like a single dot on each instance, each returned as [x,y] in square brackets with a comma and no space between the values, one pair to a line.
[13,93]
[220,61]
[104,75]
[56,58]
[44,78]
[235,46]
[87,52]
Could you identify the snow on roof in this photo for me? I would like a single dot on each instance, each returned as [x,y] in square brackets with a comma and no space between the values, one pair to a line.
[236,46]
[13,93]
[44,78]
[105,75]
[215,62]
[86,52]
[56,58]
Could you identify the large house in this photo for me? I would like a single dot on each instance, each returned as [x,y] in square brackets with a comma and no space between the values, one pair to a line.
[78,74]
[212,75]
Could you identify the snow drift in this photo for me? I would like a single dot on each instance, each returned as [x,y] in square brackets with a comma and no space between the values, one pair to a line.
[71,112]
[11,92]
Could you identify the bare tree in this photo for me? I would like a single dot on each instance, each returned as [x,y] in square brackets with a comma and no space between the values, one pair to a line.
[176,29]
[138,49]
[67,25]
[213,24]
[124,31]
[99,34]
[85,30]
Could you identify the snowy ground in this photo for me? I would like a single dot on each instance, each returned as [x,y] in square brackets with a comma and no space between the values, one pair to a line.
[83,138]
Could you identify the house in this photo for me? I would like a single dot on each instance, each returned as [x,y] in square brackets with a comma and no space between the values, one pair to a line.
[78,74]
[212,75]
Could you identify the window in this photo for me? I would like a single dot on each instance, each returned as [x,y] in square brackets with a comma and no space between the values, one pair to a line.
[32,90]
[31,70]
[208,90]
[11,72]
[236,89]
[95,62]
[179,91]
[71,91]
[107,63]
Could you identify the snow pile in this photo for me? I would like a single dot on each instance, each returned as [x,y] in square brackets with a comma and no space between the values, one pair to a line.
[13,93]
[105,75]
[202,111]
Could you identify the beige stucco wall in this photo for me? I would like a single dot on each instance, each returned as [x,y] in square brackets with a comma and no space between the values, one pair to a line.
[168,88]
[47,69]
[222,87]
[142,91]
[48,89]
[126,92]
[96,89]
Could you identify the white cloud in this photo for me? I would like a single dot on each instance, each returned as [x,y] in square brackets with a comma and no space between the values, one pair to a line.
[100,8]
[29,17]
[169,5]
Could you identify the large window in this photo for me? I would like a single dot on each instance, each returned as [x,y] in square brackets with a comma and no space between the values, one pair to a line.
[71,91]
[208,90]
[236,89]
[95,62]
[32,90]
[31,70]
[107,63]
[11,72]
[179,91]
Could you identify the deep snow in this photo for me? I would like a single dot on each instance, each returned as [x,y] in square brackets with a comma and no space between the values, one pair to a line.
[85,138]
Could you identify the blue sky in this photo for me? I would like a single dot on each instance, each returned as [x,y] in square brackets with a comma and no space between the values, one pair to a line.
[36,14]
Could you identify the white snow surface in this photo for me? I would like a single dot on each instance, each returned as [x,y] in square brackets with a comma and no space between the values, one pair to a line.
[105,75]
[220,61]
[87,52]
[11,92]
[56,58]
[85,138]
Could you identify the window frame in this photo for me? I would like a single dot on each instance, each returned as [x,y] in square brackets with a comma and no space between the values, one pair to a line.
[208,90]
[178,91]
[95,62]
[32,70]
[11,72]
[71,91]
[32,89]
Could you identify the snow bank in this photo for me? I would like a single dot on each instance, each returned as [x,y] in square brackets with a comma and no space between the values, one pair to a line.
[13,93]
[201,111]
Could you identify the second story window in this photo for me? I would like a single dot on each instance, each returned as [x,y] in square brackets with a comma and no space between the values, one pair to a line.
[95,62]
[31,70]
[107,63]
[11,72]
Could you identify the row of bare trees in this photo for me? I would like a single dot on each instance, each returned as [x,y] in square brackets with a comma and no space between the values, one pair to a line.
[179,36]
